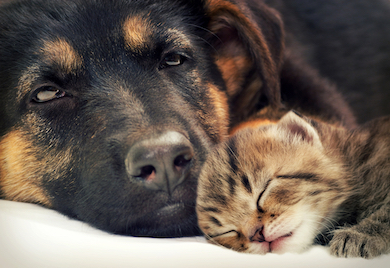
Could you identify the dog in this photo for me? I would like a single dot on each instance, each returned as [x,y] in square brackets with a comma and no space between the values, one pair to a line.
[109,107]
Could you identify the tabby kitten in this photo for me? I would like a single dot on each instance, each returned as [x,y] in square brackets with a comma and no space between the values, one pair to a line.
[280,188]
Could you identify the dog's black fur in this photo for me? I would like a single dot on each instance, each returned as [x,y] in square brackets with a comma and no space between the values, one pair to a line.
[98,94]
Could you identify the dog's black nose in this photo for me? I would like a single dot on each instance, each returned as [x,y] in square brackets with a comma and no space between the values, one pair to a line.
[162,162]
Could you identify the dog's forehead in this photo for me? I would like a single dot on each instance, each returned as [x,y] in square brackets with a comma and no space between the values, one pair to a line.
[100,40]
[137,32]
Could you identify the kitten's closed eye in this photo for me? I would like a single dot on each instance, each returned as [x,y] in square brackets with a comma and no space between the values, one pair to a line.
[231,233]
[302,176]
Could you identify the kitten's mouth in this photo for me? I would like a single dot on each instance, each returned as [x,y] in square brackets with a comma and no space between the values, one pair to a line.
[258,237]
[279,239]
[268,246]
[287,235]
[278,245]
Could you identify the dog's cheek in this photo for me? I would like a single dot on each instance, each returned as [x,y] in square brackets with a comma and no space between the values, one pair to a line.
[20,170]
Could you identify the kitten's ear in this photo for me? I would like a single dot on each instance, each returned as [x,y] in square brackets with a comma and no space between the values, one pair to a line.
[296,126]
[248,43]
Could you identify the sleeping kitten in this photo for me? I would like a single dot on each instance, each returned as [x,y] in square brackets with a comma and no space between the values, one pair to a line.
[280,188]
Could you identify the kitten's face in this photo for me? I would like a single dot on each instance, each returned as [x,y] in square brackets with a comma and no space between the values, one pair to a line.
[269,190]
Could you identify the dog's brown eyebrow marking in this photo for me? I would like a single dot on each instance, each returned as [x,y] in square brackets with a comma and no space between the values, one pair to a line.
[137,31]
[60,53]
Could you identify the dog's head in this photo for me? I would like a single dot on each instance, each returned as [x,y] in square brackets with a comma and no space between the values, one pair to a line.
[110,107]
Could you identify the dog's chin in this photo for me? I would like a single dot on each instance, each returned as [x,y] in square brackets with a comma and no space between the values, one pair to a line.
[173,220]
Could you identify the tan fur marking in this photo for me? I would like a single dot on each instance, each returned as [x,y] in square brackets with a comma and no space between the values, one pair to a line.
[215,5]
[251,124]
[18,169]
[221,106]
[137,32]
[60,52]
[220,103]
[232,69]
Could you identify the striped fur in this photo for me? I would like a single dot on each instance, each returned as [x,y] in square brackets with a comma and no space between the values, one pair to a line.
[280,188]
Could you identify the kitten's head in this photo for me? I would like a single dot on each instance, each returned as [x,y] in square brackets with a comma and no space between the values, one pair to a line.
[271,189]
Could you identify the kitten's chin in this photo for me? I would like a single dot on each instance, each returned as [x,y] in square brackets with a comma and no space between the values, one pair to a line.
[259,248]
[296,242]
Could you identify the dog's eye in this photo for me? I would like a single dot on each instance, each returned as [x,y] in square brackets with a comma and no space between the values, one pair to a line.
[172,60]
[47,93]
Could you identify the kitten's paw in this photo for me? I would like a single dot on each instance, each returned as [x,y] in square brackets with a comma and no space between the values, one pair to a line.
[350,243]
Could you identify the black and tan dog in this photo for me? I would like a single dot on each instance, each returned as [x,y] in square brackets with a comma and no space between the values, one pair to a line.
[109,107]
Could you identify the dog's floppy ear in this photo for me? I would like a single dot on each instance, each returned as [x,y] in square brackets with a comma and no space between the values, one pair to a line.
[249,44]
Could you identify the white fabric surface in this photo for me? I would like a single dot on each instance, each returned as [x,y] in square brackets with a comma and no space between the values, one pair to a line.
[32,236]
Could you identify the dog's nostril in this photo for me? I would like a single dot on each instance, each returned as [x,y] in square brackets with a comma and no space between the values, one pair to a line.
[148,173]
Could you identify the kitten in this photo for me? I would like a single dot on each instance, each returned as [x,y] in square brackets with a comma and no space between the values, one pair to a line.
[280,188]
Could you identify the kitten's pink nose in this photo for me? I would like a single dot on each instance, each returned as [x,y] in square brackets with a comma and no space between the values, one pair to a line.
[258,236]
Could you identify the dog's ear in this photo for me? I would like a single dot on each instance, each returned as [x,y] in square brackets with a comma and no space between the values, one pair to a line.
[248,42]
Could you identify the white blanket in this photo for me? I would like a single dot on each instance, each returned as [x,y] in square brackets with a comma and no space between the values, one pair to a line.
[32,236]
